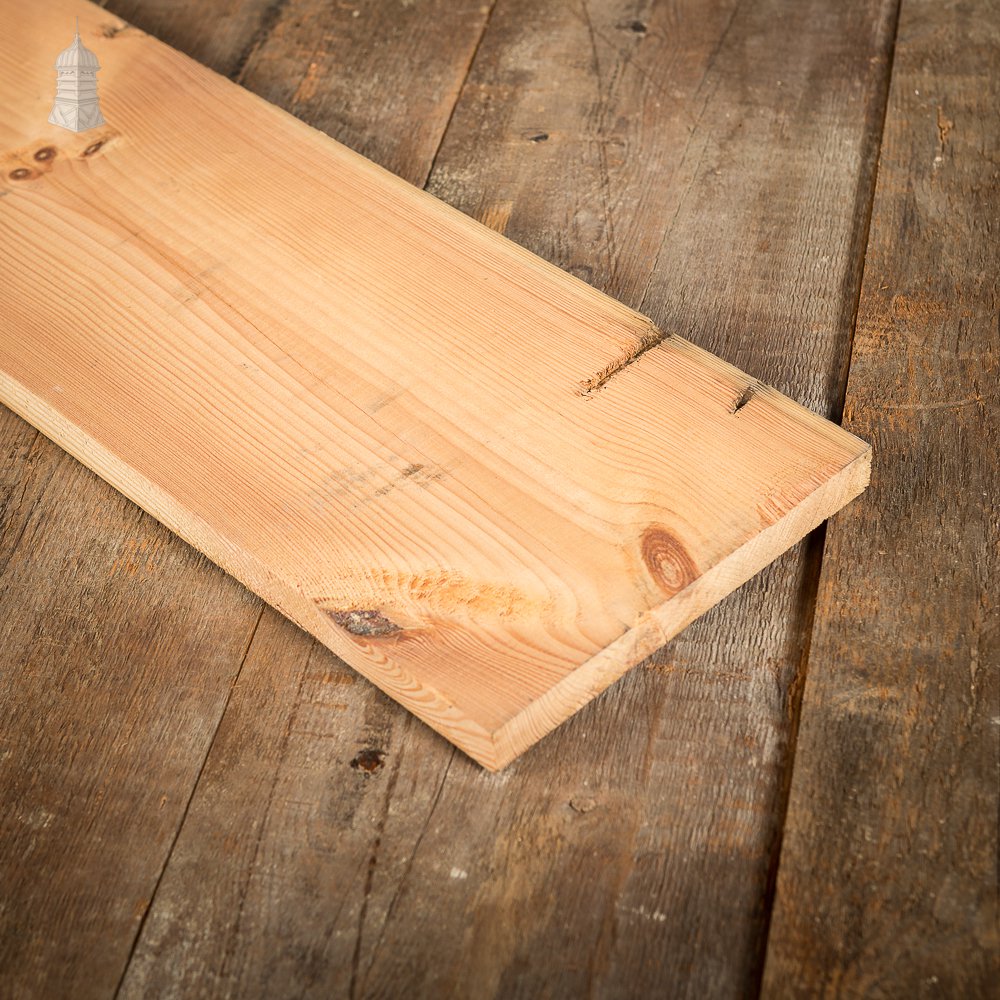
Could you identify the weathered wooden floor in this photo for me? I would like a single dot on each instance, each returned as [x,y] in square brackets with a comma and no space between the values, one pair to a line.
[798,795]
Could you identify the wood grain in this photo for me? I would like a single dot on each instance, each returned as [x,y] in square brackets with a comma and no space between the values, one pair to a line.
[426,874]
[113,678]
[490,542]
[119,648]
[381,78]
[888,877]
[223,35]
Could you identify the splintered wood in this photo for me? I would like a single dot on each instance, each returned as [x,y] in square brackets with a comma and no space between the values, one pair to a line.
[488,487]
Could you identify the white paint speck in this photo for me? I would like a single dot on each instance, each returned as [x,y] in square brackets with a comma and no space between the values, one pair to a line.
[655,915]
[459,873]
[38,819]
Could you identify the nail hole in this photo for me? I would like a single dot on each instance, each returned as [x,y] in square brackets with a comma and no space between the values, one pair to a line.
[368,761]
[539,137]
[93,148]
[45,153]
[21,174]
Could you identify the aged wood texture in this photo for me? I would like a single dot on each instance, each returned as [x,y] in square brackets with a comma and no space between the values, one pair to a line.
[630,853]
[222,34]
[117,653]
[381,78]
[118,649]
[428,447]
[888,877]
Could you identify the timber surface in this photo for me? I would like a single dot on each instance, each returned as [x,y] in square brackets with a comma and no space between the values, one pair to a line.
[428,447]
[197,799]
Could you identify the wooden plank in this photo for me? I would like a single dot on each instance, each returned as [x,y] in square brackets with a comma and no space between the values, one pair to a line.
[96,764]
[888,876]
[383,79]
[668,794]
[486,523]
[225,36]
[118,648]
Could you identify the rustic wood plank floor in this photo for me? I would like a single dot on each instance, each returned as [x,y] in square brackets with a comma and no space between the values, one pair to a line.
[197,800]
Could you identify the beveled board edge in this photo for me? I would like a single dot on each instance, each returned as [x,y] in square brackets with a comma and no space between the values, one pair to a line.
[493,750]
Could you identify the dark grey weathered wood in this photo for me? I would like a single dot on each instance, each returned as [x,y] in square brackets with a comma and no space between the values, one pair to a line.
[118,648]
[888,877]
[222,35]
[381,77]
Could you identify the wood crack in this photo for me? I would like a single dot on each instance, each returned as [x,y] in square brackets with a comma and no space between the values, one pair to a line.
[369,881]
[402,883]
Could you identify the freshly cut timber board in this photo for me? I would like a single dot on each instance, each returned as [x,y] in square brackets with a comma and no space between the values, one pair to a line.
[488,487]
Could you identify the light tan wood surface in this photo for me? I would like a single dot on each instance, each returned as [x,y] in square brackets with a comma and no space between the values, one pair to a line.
[488,487]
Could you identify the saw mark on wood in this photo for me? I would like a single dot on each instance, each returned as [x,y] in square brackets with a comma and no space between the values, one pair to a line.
[744,397]
[652,338]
